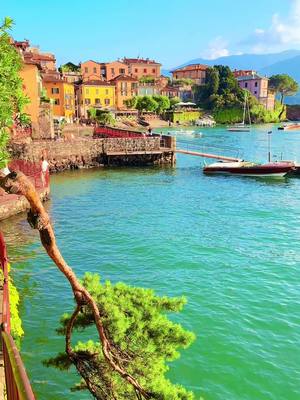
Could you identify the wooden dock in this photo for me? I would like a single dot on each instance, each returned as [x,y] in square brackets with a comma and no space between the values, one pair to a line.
[206,155]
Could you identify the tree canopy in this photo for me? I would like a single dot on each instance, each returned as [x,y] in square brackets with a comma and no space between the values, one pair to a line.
[220,90]
[69,67]
[163,103]
[155,103]
[101,116]
[283,84]
[137,322]
[12,98]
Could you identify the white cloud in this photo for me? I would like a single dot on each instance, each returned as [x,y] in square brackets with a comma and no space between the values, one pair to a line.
[283,33]
[216,48]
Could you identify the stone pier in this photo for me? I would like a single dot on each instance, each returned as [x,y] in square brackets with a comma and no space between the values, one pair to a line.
[88,152]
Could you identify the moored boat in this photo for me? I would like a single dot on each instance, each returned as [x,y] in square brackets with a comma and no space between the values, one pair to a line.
[289,127]
[239,128]
[246,168]
[242,127]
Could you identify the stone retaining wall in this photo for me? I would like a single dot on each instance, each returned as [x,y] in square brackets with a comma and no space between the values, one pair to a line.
[88,152]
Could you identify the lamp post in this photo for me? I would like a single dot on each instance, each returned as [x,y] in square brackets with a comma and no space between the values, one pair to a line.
[269,145]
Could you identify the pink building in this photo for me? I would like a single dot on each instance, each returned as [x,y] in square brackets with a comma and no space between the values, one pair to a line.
[258,86]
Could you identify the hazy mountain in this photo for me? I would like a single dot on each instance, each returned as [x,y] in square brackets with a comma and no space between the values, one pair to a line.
[256,62]
[290,67]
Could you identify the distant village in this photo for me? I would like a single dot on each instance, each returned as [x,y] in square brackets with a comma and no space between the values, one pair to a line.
[70,91]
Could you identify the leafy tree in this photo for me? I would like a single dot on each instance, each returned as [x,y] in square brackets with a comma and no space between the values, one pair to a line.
[220,90]
[182,82]
[136,320]
[173,101]
[12,99]
[283,84]
[147,79]
[131,103]
[163,103]
[101,116]
[69,67]
[146,103]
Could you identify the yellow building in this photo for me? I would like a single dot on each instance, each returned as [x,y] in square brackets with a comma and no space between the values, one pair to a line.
[63,97]
[96,94]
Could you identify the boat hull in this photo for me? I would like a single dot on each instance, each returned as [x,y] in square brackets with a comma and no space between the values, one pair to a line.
[238,130]
[289,127]
[264,170]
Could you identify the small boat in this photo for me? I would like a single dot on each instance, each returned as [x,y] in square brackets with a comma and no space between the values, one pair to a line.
[242,127]
[289,127]
[246,168]
[239,128]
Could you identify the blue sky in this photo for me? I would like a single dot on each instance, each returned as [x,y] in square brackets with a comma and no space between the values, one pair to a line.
[170,31]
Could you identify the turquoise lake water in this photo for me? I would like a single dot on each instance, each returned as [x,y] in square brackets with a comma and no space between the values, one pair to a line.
[229,244]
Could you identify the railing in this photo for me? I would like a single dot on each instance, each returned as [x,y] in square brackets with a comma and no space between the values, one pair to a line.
[108,132]
[17,383]
[33,171]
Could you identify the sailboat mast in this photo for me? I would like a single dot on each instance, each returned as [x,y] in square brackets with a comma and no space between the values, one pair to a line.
[248,108]
[244,113]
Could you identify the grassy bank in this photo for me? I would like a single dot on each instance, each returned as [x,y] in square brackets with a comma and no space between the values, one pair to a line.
[258,114]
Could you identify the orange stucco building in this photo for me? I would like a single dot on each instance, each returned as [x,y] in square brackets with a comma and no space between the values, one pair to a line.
[32,86]
[126,87]
[196,72]
[140,67]
[92,70]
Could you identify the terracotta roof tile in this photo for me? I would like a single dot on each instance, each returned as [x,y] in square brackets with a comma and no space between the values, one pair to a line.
[139,61]
[192,67]
[123,77]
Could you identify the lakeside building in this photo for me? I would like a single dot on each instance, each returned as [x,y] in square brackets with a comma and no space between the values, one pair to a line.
[148,89]
[95,94]
[257,85]
[93,70]
[35,64]
[195,72]
[142,67]
[170,92]
[71,76]
[126,87]
[62,94]
[32,88]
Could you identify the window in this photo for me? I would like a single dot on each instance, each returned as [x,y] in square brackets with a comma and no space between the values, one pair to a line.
[255,84]
[153,70]
[86,70]
[87,101]
[56,102]
[112,71]
[97,101]
[106,91]
[95,70]
[55,90]
[122,71]
[107,102]
[255,91]
[145,70]
[97,91]
[246,84]
[86,91]
[136,70]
